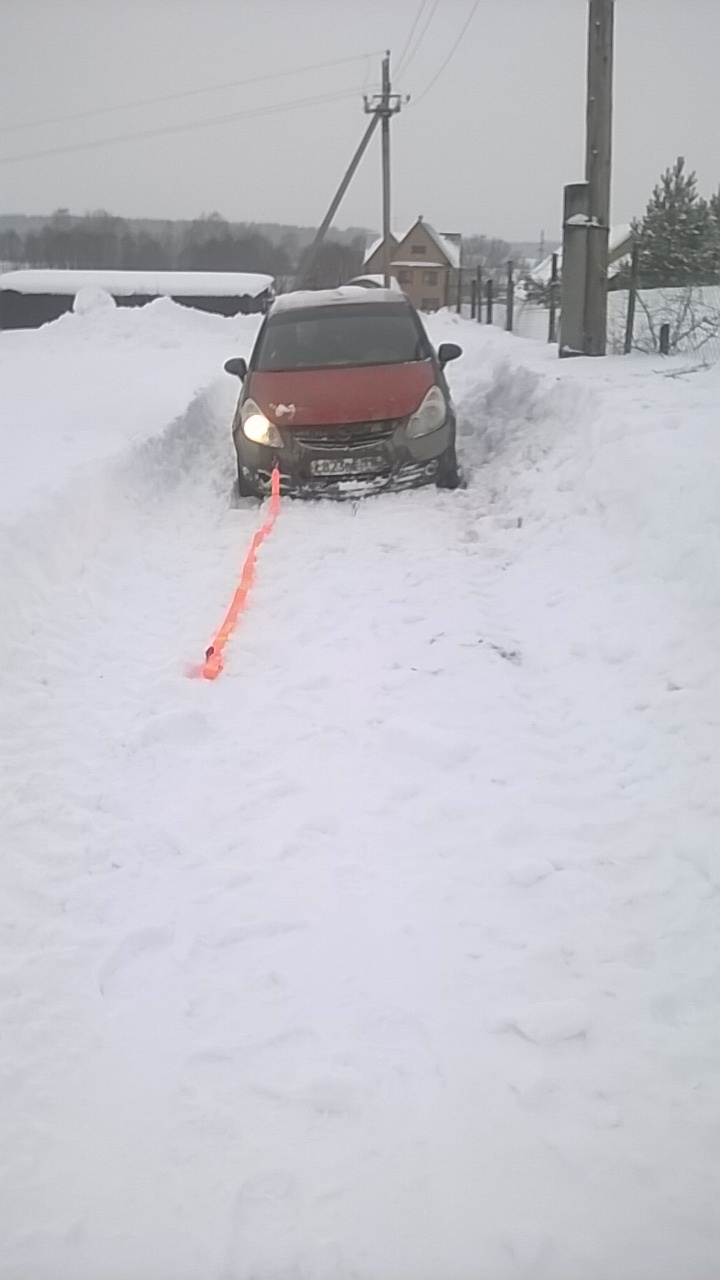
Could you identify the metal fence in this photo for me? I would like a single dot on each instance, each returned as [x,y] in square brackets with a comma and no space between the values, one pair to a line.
[670,321]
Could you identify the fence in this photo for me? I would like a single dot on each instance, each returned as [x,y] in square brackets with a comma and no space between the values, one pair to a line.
[670,321]
[498,298]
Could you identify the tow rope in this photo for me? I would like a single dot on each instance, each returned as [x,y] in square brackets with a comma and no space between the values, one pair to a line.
[214,661]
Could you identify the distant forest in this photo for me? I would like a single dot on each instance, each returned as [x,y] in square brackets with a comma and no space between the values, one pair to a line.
[209,243]
[101,241]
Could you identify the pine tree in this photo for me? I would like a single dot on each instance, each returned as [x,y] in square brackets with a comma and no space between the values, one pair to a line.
[676,237]
[715,215]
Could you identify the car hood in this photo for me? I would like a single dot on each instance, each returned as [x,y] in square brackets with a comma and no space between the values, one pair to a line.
[322,397]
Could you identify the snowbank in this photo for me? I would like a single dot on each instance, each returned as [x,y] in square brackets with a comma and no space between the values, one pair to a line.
[395,951]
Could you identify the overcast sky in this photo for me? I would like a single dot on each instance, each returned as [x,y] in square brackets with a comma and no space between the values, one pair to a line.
[485,148]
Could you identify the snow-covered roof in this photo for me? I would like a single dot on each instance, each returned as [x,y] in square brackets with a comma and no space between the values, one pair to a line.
[376,243]
[619,244]
[447,243]
[331,297]
[200,284]
[419,262]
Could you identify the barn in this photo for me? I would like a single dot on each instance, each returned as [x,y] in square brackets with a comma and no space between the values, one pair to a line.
[34,296]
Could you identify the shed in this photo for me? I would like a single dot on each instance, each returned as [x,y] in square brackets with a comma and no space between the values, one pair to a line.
[32,297]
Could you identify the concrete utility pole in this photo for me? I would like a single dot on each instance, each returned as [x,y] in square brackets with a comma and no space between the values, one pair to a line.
[586,212]
[598,156]
[305,273]
[383,107]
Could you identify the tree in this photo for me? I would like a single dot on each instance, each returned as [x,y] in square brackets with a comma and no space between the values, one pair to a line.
[676,236]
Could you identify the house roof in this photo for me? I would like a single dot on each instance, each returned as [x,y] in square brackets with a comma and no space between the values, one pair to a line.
[376,243]
[448,242]
[620,242]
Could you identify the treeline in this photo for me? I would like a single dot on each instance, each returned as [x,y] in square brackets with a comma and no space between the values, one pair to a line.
[100,241]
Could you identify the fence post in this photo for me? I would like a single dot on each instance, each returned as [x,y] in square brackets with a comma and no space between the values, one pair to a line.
[664,339]
[458,305]
[489,314]
[552,318]
[632,294]
[478,275]
[510,301]
[473,297]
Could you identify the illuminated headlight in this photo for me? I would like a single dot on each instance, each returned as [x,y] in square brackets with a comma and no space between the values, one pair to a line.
[257,427]
[431,414]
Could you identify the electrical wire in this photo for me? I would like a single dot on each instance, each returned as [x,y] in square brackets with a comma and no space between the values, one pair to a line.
[437,75]
[181,128]
[421,37]
[409,40]
[187,93]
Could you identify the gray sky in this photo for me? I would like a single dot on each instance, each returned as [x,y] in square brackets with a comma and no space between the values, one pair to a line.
[487,148]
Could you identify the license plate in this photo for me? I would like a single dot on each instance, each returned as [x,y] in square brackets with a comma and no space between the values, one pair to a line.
[346,466]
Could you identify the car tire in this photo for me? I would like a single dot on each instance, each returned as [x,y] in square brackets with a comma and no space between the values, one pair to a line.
[448,475]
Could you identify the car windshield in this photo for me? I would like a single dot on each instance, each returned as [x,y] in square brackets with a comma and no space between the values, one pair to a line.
[323,338]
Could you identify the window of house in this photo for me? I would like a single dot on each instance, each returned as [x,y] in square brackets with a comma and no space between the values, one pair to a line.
[430,277]
[405,276]
[418,249]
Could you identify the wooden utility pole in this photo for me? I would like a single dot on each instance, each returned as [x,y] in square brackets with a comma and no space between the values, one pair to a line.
[598,157]
[632,296]
[382,108]
[510,299]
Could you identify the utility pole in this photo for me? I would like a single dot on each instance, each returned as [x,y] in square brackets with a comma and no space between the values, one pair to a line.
[598,156]
[383,107]
[586,214]
[305,273]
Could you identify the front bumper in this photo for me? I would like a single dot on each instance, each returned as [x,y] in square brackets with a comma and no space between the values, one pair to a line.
[345,461]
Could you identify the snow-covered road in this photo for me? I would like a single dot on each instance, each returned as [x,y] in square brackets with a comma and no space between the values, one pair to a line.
[394,952]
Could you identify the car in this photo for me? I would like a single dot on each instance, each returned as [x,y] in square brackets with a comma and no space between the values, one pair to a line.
[345,394]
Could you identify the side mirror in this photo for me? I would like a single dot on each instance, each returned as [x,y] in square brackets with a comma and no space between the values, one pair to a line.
[446,352]
[237,367]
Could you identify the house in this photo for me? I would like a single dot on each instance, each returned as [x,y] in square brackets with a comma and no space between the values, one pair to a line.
[32,297]
[425,263]
[620,244]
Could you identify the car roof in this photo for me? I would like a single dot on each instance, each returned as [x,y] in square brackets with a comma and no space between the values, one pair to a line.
[316,298]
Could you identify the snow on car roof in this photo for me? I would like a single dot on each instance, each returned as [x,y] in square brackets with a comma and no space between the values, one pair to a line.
[201,284]
[332,297]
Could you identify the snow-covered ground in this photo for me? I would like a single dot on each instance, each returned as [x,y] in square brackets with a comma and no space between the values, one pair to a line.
[394,952]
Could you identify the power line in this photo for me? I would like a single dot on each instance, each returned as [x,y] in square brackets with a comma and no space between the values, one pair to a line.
[421,37]
[181,128]
[187,93]
[437,75]
[413,28]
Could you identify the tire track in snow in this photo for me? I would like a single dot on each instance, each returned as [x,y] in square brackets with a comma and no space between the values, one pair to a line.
[301,952]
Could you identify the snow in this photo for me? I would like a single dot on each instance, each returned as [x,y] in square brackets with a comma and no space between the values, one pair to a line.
[393,952]
[619,246]
[122,284]
[345,293]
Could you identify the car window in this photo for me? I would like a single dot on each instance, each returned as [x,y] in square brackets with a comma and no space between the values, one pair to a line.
[340,336]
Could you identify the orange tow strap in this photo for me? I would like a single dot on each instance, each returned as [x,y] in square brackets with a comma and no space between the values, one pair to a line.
[214,662]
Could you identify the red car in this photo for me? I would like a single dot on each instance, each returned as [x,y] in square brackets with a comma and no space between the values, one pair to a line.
[345,393]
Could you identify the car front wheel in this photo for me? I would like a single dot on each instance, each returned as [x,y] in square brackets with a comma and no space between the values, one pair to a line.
[448,474]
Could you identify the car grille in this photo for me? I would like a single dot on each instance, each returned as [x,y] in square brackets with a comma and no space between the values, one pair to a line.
[349,435]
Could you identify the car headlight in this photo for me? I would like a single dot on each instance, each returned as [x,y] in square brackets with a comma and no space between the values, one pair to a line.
[431,414]
[257,427]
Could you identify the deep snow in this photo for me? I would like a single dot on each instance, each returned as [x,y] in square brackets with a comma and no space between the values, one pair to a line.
[394,952]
